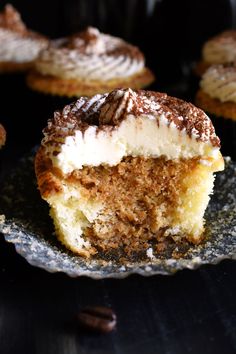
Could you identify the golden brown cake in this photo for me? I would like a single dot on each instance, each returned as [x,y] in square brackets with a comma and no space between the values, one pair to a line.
[19,46]
[128,168]
[88,63]
[2,136]
[220,49]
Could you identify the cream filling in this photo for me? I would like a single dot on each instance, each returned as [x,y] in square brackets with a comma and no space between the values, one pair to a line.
[133,137]
[17,48]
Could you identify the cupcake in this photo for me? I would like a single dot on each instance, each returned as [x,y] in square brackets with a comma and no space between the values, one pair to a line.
[127,170]
[2,136]
[19,46]
[88,63]
[217,96]
[220,49]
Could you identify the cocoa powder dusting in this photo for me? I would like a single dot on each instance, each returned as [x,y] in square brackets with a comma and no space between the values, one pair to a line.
[109,110]
[11,19]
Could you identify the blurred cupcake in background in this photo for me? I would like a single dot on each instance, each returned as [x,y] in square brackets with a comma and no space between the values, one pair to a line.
[220,49]
[19,46]
[2,136]
[2,141]
[217,96]
[88,63]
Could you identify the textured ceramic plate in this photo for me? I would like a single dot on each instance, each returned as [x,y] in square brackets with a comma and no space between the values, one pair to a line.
[27,225]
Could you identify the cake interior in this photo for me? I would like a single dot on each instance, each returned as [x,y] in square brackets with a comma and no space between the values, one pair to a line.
[128,205]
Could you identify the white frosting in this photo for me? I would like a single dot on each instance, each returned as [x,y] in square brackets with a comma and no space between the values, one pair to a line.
[149,253]
[16,48]
[133,137]
[220,82]
[221,49]
[95,62]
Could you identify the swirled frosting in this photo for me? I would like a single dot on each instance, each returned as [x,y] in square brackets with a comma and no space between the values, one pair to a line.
[90,55]
[105,128]
[220,49]
[17,43]
[220,82]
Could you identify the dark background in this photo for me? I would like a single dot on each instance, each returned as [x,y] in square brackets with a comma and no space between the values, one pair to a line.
[189,312]
[170,32]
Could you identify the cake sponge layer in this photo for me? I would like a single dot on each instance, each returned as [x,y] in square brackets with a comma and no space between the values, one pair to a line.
[128,205]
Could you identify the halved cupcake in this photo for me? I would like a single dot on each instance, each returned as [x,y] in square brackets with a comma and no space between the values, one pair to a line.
[126,169]
[88,63]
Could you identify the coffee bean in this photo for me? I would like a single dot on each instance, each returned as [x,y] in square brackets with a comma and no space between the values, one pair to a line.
[97,318]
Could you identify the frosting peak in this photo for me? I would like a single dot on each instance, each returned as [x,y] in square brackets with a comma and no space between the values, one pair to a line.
[90,34]
[88,42]
[117,103]
[11,19]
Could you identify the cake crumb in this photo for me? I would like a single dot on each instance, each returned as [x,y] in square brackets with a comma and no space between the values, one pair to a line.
[2,219]
[149,253]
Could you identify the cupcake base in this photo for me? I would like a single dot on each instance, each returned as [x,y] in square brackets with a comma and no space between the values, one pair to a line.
[76,88]
[14,67]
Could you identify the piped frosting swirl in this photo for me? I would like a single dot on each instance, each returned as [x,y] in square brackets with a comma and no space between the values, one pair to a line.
[90,55]
[220,82]
[17,43]
[220,49]
[105,128]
